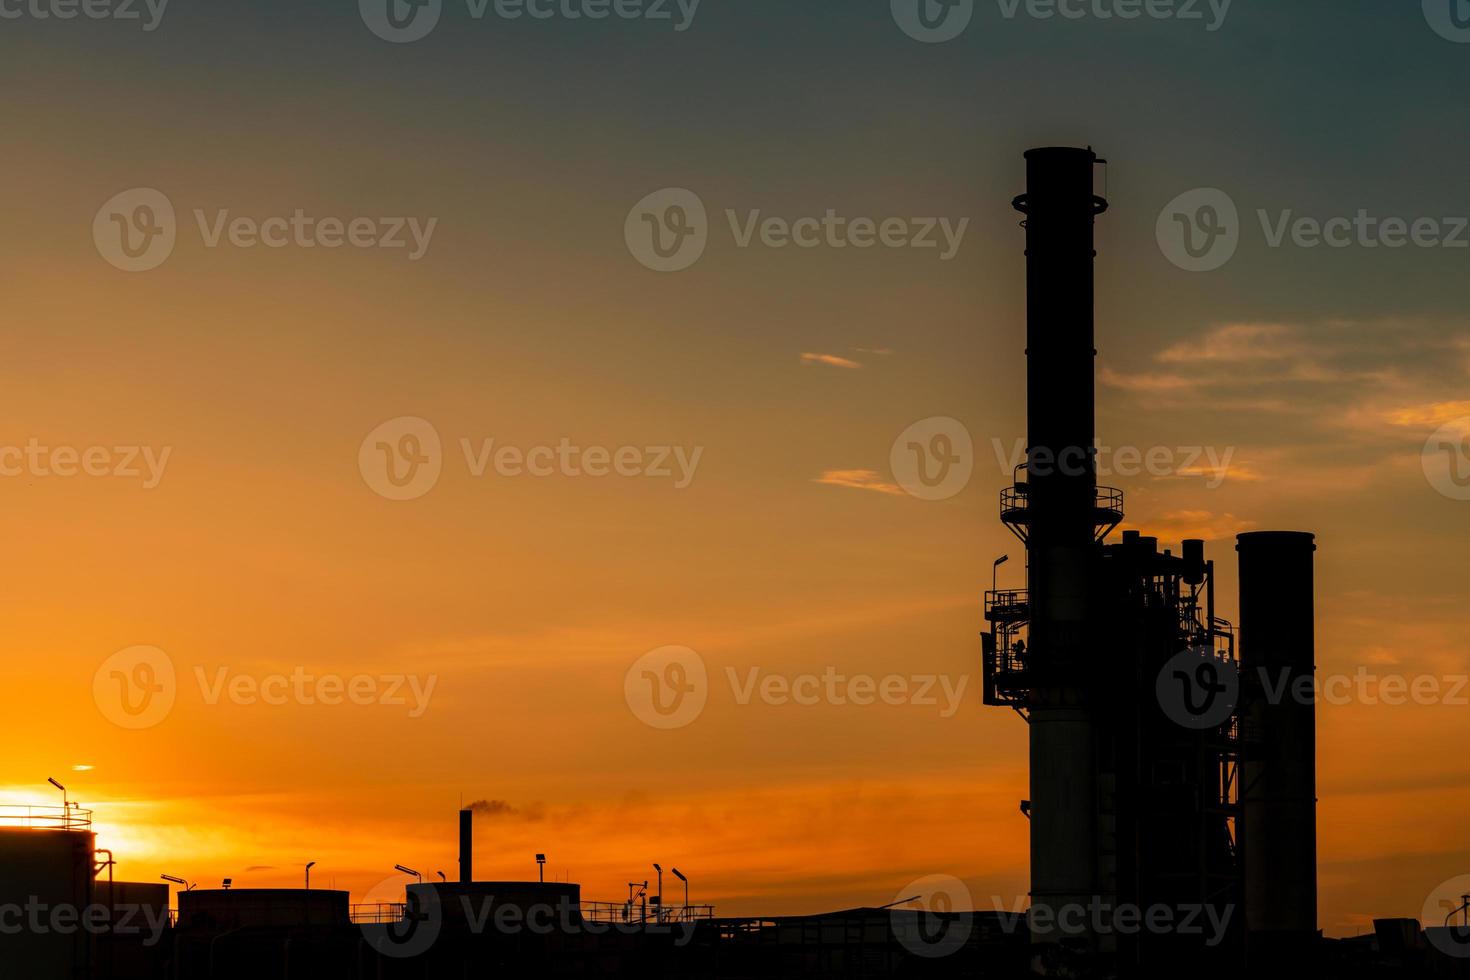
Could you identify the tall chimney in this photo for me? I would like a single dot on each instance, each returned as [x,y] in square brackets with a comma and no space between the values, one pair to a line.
[1060,490]
[1278,784]
[466,845]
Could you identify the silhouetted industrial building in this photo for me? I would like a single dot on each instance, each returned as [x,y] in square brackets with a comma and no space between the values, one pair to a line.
[1132,805]
[1163,774]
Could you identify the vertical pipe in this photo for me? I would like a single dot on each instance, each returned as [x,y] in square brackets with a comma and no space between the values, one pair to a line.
[1278,784]
[466,846]
[1061,482]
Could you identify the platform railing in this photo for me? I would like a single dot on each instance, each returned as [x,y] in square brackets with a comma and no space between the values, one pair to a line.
[34,817]
[626,912]
[377,912]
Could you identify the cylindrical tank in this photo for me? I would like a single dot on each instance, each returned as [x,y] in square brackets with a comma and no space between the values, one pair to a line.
[1061,481]
[1278,783]
[46,875]
[221,909]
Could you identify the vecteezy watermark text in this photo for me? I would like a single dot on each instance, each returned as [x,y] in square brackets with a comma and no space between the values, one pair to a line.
[138,687]
[1200,230]
[1199,688]
[301,687]
[669,230]
[569,459]
[669,688]
[37,917]
[402,459]
[839,689]
[1126,461]
[936,21]
[145,463]
[136,230]
[148,12]
[1100,917]
[405,21]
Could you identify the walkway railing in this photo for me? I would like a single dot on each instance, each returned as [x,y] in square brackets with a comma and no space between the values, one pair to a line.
[69,817]
[626,912]
[379,912]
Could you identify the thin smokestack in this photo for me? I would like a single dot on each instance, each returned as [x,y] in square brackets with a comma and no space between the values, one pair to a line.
[1278,785]
[466,845]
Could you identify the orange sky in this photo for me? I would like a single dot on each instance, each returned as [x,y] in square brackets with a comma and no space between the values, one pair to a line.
[524,600]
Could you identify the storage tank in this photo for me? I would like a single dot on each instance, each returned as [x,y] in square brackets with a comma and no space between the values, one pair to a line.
[47,867]
[221,909]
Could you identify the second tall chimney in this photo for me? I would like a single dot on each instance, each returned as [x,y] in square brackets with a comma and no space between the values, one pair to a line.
[1278,787]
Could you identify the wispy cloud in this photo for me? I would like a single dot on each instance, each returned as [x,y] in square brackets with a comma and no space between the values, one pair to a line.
[1145,381]
[858,480]
[1180,524]
[1235,343]
[831,360]
[1429,415]
[879,351]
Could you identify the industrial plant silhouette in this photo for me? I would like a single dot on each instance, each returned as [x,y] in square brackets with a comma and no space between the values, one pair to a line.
[1172,803]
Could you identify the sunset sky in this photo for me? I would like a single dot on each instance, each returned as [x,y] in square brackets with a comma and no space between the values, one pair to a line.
[524,600]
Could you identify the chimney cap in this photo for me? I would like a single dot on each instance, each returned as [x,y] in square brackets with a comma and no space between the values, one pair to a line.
[1276,539]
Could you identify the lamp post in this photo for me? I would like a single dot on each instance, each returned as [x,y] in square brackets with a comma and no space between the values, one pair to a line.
[409,871]
[178,881]
[65,805]
[680,875]
[995,570]
[659,915]
[541,867]
[309,865]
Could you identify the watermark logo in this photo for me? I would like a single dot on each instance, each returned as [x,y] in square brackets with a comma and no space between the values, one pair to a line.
[135,688]
[1446,917]
[1446,459]
[933,459]
[932,917]
[401,21]
[1450,19]
[1199,230]
[1197,689]
[933,21]
[412,933]
[668,230]
[667,688]
[401,459]
[135,230]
